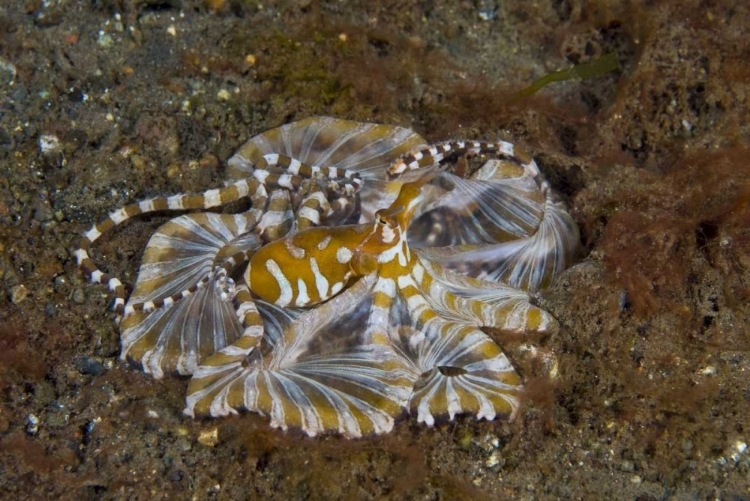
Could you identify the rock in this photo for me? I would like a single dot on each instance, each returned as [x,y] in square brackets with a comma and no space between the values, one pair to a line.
[89,366]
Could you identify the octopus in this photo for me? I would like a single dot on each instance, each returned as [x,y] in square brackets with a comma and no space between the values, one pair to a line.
[356,286]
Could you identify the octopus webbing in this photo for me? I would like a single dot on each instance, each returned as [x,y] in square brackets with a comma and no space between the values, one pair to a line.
[355,286]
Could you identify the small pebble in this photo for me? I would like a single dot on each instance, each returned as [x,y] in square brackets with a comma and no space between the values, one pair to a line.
[90,425]
[209,438]
[49,144]
[43,212]
[740,446]
[139,162]
[687,446]
[494,462]
[18,294]
[32,424]
[215,5]
[89,366]
[79,297]
[57,418]
[7,72]
[50,310]
[104,40]
[174,170]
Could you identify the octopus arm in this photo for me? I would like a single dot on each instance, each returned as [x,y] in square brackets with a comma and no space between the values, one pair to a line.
[462,370]
[175,339]
[184,250]
[324,373]
[178,334]
[485,303]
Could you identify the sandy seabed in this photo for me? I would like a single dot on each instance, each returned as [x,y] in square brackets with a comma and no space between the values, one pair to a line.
[107,102]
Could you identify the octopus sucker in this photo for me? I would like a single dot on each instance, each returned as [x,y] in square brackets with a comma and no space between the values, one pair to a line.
[356,287]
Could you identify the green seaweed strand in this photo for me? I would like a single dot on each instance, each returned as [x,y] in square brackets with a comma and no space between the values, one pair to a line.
[595,68]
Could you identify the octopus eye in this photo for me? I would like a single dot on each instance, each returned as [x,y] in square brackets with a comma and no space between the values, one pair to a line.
[450,371]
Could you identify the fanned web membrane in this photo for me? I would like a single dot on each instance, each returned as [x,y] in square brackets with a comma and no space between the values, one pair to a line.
[504,225]
[342,368]
[365,148]
[315,370]
[181,253]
